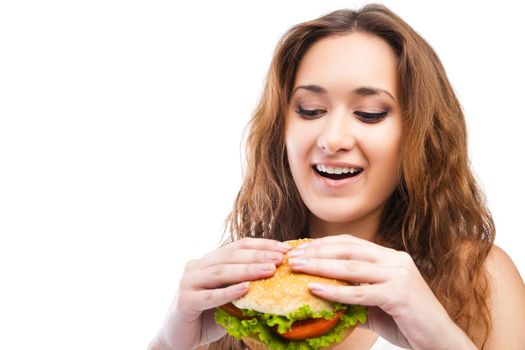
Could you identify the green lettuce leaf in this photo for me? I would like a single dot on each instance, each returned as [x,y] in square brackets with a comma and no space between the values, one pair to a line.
[284,323]
[260,326]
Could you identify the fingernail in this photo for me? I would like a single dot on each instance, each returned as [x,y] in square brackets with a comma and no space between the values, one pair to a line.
[266,267]
[317,287]
[297,262]
[296,252]
[275,257]
[283,247]
[243,286]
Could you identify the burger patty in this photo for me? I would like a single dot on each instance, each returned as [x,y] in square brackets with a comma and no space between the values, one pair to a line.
[304,329]
[234,311]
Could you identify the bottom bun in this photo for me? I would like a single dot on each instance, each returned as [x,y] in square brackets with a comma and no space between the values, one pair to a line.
[255,344]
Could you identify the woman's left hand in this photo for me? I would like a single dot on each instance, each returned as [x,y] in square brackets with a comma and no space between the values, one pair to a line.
[402,307]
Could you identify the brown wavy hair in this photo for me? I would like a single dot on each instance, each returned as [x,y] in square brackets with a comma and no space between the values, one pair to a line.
[437,213]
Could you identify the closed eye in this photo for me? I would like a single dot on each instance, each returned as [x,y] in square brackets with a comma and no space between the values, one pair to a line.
[366,116]
[371,117]
[309,112]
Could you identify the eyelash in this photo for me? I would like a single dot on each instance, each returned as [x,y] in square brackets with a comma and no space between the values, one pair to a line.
[368,117]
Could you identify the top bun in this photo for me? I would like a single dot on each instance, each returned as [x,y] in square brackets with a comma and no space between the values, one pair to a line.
[286,291]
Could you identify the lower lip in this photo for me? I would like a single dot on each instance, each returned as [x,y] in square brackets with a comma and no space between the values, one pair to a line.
[330,183]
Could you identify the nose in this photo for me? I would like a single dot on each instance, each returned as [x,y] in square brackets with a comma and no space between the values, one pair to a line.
[336,133]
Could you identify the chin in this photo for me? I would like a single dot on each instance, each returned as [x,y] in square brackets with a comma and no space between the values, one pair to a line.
[335,214]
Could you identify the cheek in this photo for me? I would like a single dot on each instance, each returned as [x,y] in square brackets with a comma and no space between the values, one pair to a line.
[298,143]
[383,151]
[292,150]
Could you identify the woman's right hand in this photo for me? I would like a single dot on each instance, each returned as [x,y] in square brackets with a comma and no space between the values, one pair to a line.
[217,278]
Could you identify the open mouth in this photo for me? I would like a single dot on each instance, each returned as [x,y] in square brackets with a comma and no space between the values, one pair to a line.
[337,176]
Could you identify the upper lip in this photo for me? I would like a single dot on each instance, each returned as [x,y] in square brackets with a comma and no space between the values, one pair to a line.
[337,164]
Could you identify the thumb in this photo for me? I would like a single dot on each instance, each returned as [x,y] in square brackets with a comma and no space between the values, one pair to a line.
[378,321]
[383,324]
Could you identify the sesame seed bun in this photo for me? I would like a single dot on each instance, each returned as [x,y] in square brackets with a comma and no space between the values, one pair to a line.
[286,291]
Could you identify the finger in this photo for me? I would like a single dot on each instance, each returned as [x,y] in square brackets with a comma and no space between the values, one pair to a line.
[226,274]
[366,294]
[341,250]
[219,255]
[260,244]
[210,298]
[338,239]
[348,270]
[242,256]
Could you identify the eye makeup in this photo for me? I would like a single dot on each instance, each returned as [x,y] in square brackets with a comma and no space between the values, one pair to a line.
[367,117]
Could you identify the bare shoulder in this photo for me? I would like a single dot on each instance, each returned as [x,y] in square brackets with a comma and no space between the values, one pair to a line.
[502,269]
[507,302]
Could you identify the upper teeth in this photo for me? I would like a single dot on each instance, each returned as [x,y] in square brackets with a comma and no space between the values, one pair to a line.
[331,170]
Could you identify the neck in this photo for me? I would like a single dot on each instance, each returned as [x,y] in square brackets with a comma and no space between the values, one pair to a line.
[364,228]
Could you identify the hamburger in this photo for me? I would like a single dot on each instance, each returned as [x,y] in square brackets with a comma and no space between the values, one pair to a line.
[280,313]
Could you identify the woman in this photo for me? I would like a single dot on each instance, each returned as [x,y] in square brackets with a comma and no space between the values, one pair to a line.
[361,97]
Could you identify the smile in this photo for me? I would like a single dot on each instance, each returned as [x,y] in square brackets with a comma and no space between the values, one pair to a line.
[336,173]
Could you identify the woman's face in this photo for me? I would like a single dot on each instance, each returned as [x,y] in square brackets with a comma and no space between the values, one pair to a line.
[357,124]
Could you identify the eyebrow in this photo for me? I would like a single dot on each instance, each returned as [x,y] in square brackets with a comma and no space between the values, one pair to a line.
[362,90]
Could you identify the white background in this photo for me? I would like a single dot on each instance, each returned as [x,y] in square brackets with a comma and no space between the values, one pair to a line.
[120,136]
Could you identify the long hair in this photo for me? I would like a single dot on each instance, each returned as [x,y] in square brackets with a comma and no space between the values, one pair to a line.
[437,213]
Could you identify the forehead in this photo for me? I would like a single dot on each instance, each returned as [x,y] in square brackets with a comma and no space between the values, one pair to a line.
[343,62]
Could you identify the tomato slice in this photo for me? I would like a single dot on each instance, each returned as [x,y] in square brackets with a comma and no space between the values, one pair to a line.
[304,329]
[311,328]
